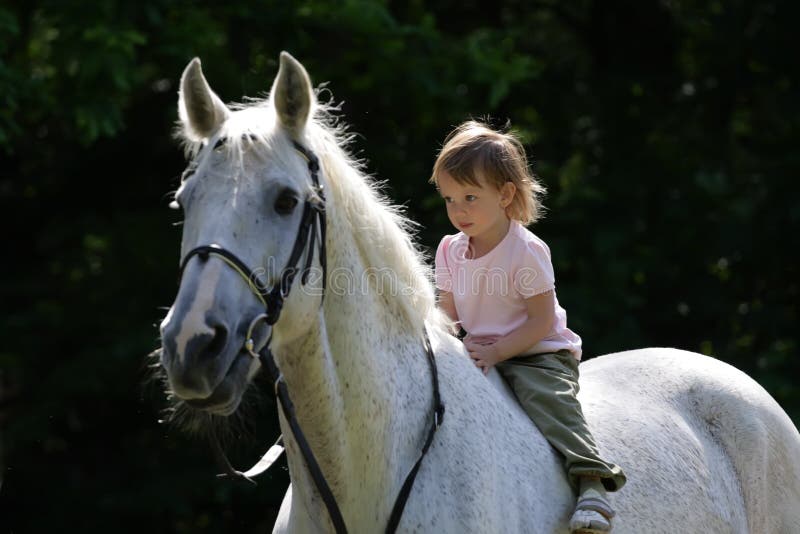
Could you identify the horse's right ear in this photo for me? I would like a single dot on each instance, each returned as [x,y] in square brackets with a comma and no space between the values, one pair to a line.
[200,110]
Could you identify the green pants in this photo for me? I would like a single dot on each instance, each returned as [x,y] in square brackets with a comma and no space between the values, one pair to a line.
[547,388]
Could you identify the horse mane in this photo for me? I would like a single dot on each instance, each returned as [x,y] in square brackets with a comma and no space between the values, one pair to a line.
[384,235]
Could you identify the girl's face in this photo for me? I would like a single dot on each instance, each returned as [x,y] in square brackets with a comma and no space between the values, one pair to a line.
[478,211]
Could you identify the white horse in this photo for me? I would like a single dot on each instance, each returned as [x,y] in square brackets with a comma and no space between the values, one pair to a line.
[704,447]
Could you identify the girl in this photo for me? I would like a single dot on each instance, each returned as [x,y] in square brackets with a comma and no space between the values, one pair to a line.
[496,281]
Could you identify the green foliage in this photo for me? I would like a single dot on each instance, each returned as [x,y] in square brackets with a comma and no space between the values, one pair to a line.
[665,132]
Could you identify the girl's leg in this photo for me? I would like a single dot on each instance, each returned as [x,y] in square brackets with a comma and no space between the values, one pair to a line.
[546,386]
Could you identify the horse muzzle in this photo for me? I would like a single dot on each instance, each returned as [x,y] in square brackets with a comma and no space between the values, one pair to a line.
[204,365]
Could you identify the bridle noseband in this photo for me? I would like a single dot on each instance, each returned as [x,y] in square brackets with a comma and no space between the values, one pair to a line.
[312,228]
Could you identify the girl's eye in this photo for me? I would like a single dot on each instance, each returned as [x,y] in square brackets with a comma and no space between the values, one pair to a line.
[448,200]
[285,203]
[470,198]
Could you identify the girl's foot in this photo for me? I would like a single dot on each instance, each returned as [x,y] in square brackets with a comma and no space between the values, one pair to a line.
[590,520]
[593,512]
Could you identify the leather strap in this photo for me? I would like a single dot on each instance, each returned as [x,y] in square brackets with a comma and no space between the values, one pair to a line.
[438,418]
[268,361]
[282,392]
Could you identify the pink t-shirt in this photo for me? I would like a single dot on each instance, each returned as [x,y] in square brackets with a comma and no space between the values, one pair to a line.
[490,291]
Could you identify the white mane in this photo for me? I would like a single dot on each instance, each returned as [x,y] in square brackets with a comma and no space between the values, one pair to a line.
[383,234]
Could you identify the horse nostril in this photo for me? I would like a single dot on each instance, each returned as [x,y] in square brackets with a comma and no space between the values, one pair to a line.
[206,347]
[217,343]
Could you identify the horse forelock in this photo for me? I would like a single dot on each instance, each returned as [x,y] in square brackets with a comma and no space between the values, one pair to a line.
[249,129]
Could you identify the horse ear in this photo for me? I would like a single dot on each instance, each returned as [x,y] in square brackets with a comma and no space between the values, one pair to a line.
[291,94]
[200,110]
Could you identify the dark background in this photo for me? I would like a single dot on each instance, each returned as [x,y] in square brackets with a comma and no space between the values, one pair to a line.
[666,133]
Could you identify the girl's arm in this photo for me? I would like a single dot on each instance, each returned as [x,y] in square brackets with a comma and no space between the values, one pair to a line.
[448,305]
[541,315]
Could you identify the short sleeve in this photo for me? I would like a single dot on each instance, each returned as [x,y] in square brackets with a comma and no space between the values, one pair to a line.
[441,272]
[533,273]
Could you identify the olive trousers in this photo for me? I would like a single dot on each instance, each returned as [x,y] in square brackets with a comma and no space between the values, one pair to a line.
[546,386]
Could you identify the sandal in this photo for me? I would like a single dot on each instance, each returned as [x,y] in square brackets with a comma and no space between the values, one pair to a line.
[591,516]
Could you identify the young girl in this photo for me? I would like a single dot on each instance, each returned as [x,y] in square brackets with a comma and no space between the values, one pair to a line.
[496,281]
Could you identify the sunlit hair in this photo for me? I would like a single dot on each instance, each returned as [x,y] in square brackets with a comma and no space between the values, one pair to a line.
[474,150]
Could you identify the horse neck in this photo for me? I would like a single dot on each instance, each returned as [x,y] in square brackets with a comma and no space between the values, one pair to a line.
[354,380]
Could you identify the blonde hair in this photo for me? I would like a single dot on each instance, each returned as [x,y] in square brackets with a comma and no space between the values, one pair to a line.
[474,149]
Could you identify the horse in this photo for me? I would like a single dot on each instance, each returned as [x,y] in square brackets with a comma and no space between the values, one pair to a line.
[705,448]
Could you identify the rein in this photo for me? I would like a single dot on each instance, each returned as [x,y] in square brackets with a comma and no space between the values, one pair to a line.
[312,223]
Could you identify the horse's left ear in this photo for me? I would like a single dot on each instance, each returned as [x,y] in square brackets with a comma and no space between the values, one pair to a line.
[291,94]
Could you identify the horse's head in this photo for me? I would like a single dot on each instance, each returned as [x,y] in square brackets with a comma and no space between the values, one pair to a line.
[246,191]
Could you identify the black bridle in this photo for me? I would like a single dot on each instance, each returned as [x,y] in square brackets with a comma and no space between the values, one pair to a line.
[312,225]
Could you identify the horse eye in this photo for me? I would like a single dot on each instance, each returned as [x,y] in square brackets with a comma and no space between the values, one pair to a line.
[285,203]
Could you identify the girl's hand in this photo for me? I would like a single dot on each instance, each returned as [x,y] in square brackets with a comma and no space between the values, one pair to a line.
[484,354]
[481,340]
